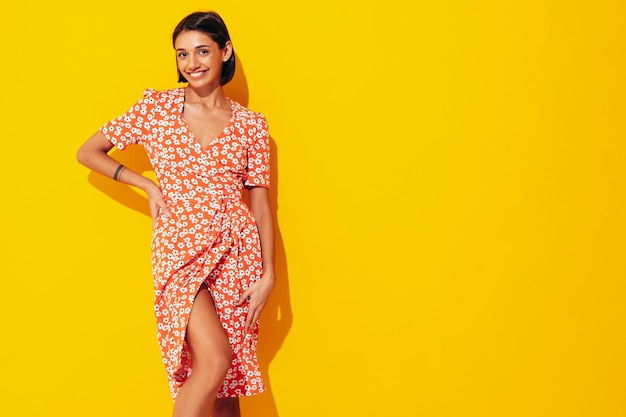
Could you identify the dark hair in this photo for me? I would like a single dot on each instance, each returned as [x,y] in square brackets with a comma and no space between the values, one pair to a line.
[212,24]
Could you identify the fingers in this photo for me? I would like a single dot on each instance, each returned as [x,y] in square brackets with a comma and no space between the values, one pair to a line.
[160,206]
[155,199]
[256,295]
[157,206]
[252,318]
[154,212]
[254,311]
[163,208]
[245,297]
[254,308]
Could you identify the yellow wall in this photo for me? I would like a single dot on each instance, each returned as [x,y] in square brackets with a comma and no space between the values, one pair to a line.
[449,183]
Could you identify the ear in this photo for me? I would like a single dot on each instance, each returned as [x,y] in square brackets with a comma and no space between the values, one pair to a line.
[227,52]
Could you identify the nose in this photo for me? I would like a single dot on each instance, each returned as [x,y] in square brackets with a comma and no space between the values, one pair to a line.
[193,62]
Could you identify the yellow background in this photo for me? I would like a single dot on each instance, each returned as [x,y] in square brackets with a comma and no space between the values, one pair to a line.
[449,190]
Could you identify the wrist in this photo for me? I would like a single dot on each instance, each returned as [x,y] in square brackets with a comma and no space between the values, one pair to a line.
[269,277]
[147,185]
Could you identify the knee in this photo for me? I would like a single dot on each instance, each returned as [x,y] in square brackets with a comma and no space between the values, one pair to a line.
[212,369]
[221,362]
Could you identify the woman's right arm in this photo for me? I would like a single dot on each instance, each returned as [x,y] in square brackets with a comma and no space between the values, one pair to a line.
[94,155]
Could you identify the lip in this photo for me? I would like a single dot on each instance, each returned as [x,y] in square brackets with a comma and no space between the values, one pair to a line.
[196,74]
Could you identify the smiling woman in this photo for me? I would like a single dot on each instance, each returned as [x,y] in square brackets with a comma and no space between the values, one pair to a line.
[212,255]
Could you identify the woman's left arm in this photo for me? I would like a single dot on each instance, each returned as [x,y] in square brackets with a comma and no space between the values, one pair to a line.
[260,291]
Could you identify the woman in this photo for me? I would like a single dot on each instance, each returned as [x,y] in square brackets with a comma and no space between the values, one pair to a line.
[212,257]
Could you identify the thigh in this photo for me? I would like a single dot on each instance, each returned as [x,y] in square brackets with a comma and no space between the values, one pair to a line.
[206,338]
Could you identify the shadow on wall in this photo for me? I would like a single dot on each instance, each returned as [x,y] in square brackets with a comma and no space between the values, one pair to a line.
[277,316]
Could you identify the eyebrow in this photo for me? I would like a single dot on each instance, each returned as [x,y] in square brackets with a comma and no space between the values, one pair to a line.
[197,47]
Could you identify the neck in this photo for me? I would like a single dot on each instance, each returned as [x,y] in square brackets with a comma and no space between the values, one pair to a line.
[210,96]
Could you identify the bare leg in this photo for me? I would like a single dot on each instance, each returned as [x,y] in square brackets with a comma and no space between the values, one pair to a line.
[211,357]
[226,407]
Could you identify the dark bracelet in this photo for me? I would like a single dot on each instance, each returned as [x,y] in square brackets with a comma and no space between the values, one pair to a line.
[119,169]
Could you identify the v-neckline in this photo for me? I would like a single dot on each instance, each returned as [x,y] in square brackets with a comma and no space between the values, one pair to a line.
[192,136]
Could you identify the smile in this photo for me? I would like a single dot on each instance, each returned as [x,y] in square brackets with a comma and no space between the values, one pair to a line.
[196,74]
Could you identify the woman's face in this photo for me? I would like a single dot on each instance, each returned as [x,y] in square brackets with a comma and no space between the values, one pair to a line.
[200,58]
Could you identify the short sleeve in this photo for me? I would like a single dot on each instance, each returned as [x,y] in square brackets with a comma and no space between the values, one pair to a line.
[133,126]
[258,170]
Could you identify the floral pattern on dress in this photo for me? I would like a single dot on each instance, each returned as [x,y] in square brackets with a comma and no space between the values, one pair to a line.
[210,236]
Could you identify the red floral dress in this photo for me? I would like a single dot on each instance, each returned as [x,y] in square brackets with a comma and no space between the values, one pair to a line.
[210,236]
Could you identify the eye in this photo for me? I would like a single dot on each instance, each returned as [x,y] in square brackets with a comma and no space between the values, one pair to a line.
[204,51]
[182,54]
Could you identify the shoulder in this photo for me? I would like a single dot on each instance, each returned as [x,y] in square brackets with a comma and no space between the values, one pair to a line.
[153,96]
[248,117]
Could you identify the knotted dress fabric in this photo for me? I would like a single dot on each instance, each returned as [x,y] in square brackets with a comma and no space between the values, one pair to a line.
[210,237]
